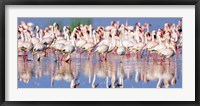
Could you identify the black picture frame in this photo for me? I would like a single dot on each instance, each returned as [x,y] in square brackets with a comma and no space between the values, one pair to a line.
[98,2]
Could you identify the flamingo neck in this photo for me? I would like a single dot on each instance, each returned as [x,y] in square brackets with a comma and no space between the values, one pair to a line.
[147,27]
[55,32]
[37,35]
[25,37]
[159,39]
[137,36]
[91,32]
[22,36]
[113,41]
[95,40]
[173,47]
[152,36]
[121,42]
[73,42]
[145,38]
[167,43]
[40,37]
[86,36]
[66,35]
[52,32]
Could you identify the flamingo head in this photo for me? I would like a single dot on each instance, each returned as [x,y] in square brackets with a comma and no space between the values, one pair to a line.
[137,24]
[173,46]
[113,23]
[30,24]
[50,27]
[36,28]
[178,28]
[23,22]
[41,31]
[147,34]
[55,25]
[153,33]
[64,28]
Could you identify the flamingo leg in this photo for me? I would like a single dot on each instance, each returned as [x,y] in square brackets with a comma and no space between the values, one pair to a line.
[89,53]
[68,60]
[105,56]
[77,51]
[136,55]
[54,53]
[100,58]
[177,53]
[62,57]
[127,52]
[24,56]
[142,53]
[81,53]
[114,51]
[38,57]
[169,60]
[148,55]
[156,59]
[120,59]
[163,60]
[45,53]
[57,59]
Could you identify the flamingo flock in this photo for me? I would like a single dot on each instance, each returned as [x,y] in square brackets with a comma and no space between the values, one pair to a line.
[135,41]
[117,39]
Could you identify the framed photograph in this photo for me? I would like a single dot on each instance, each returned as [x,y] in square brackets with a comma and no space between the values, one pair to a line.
[99,52]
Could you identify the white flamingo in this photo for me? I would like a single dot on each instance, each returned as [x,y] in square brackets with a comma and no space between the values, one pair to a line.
[89,46]
[39,47]
[69,49]
[25,44]
[121,50]
[102,50]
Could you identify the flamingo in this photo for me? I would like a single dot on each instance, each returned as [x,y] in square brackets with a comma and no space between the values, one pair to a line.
[36,39]
[80,43]
[89,46]
[137,48]
[121,50]
[150,43]
[69,49]
[58,47]
[39,47]
[102,49]
[168,52]
[105,46]
[47,41]
[112,45]
[25,44]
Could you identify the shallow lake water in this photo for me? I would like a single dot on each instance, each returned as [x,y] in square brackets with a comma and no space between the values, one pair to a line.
[131,73]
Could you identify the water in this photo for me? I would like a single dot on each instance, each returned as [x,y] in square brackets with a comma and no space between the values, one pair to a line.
[131,73]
